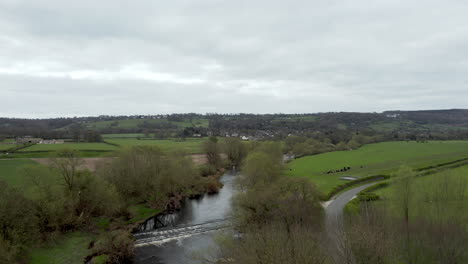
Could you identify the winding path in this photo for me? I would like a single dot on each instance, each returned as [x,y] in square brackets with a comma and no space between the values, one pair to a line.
[334,223]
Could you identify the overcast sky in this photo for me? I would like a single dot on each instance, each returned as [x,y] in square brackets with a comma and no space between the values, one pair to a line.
[75,58]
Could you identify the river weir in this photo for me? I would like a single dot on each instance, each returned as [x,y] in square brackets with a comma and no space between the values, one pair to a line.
[181,236]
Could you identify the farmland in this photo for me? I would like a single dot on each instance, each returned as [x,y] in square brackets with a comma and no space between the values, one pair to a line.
[6,146]
[429,180]
[188,145]
[372,159]
[112,143]
[70,248]
[75,146]
[128,135]
[9,171]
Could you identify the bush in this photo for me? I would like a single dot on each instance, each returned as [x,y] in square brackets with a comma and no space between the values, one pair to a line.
[207,170]
[368,196]
[18,221]
[8,252]
[101,259]
[117,245]
[213,185]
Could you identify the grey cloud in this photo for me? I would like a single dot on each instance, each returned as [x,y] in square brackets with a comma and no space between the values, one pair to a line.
[231,56]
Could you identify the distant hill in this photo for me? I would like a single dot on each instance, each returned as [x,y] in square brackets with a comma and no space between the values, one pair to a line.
[265,125]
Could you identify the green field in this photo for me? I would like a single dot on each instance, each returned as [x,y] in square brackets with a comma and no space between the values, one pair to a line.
[9,171]
[379,158]
[129,135]
[188,145]
[4,146]
[75,146]
[430,180]
[70,248]
[191,145]
[12,172]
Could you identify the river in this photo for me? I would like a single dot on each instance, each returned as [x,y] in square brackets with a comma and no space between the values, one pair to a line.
[188,232]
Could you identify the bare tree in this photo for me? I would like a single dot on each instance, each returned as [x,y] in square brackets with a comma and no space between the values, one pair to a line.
[68,162]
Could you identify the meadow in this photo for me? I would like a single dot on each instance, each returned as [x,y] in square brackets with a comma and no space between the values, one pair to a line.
[193,145]
[70,248]
[75,146]
[373,159]
[128,135]
[10,171]
[4,146]
[430,180]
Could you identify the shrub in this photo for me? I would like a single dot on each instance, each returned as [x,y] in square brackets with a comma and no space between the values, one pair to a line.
[207,170]
[368,196]
[117,245]
[101,259]
[213,185]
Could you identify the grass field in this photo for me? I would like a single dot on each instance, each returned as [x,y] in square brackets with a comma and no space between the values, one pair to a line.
[430,180]
[75,146]
[129,135]
[191,145]
[53,154]
[9,171]
[379,158]
[141,212]
[188,145]
[70,248]
[4,146]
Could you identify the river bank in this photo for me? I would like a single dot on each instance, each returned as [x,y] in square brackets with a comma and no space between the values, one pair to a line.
[143,213]
[189,232]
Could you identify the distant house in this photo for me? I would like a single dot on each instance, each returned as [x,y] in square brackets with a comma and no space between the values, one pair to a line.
[52,141]
[245,138]
[196,135]
[28,140]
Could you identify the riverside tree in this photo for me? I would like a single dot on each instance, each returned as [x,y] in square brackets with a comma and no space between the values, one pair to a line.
[235,150]
[212,151]
[280,218]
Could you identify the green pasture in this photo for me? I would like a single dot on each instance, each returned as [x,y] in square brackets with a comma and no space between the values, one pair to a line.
[75,146]
[441,196]
[70,248]
[53,154]
[141,212]
[372,159]
[4,146]
[19,174]
[10,171]
[188,145]
[432,179]
[129,135]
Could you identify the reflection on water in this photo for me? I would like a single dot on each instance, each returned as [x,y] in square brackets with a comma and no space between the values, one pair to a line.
[194,212]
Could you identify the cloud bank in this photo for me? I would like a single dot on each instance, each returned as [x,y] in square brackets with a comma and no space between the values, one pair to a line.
[62,58]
